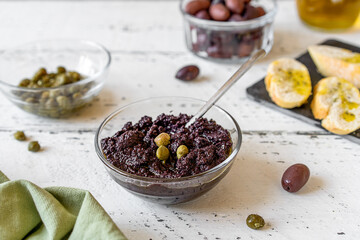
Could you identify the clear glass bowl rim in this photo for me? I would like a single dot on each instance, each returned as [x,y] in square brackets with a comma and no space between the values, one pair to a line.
[244,24]
[83,81]
[100,154]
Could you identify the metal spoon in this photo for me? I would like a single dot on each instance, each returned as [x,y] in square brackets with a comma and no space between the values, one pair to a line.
[233,79]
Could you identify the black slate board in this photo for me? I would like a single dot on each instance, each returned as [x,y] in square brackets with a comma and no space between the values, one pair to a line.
[258,93]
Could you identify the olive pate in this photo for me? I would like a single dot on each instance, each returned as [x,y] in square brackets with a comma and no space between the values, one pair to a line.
[133,149]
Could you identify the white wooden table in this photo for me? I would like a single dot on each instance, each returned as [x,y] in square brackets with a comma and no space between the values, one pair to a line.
[147,45]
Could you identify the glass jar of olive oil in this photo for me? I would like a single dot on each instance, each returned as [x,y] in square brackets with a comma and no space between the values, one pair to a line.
[328,14]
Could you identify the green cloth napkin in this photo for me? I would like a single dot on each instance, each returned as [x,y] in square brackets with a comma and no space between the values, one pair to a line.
[30,212]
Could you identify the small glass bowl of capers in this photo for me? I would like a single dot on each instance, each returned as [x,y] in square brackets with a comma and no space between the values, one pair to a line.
[53,78]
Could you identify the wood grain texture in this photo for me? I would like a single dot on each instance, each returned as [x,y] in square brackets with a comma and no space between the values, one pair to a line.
[147,45]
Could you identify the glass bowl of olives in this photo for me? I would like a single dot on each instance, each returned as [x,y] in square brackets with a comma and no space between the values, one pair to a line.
[162,187]
[53,78]
[228,31]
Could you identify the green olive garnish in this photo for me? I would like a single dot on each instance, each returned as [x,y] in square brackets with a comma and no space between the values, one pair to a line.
[255,221]
[162,153]
[20,136]
[181,151]
[163,139]
[34,146]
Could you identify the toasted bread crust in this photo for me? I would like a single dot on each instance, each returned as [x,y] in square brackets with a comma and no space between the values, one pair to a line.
[319,110]
[330,62]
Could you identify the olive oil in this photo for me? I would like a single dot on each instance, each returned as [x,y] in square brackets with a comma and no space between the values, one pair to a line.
[329,14]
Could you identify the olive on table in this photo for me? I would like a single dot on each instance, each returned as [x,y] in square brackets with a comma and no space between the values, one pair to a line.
[163,139]
[295,177]
[255,221]
[20,136]
[34,146]
[188,73]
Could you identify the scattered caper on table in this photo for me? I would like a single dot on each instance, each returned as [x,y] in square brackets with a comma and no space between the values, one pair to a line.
[181,151]
[34,146]
[255,221]
[20,136]
[163,139]
[162,153]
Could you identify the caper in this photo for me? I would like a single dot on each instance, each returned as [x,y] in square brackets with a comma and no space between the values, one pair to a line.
[75,75]
[41,72]
[20,136]
[30,100]
[255,221]
[24,83]
[54,93]
[34,146]
[61,69]
[45,94]
[76,95]
[63,102]
[163,139]
[73,89]
[162,153]
[51,103]
[181,151]
[62,79]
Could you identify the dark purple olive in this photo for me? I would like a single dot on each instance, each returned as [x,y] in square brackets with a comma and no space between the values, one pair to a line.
[196,5]
[236,18]
[295,177]
[217,1]
[235,6]
[220,51]
[245,48]
[203,14]
[219,12]
[251,12]
[188,73]
[261,11]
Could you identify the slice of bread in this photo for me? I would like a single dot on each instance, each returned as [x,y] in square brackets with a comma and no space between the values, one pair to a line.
[337,62]
[288,83]
[337,102]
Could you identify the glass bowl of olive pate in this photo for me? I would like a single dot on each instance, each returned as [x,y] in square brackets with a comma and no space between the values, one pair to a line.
[53,78]
[146,148]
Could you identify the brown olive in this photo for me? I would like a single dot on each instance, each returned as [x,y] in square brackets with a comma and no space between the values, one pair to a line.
[261,11]
[295,177]
[219,12]
[236,18]
[236,6]
[196,5]
[203,14]
[188,73]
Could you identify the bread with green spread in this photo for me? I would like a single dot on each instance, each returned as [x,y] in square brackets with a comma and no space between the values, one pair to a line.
[336,102]
[288,83]
[338,62]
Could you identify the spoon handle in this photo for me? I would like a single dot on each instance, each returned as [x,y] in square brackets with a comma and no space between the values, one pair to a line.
[236,76]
